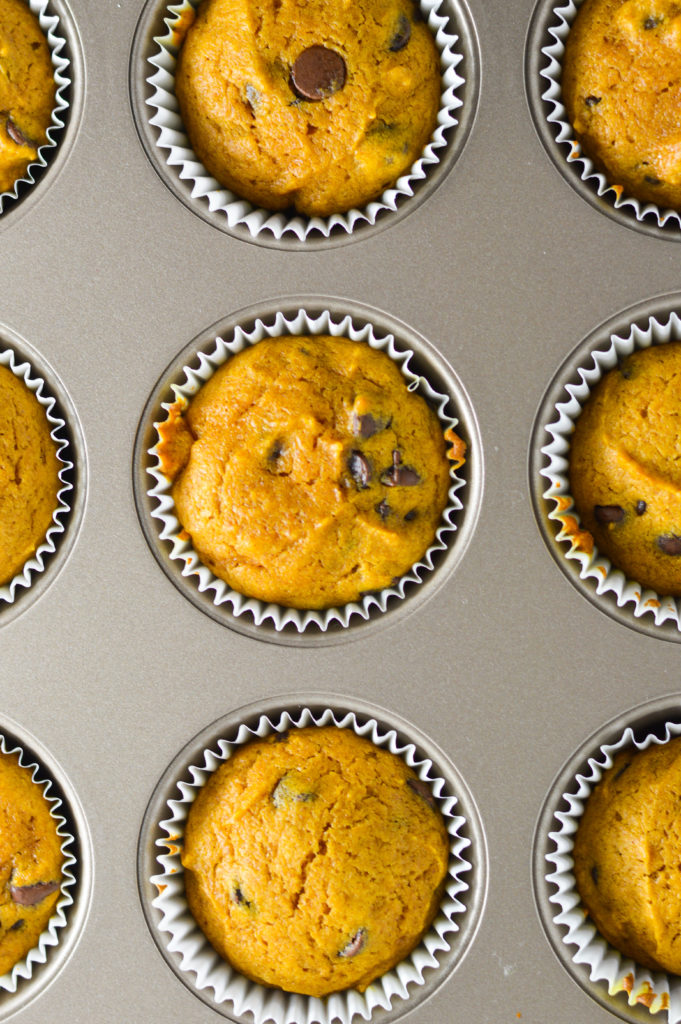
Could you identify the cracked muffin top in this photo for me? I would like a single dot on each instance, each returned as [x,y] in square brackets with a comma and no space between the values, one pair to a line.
[314,860]
[27,90]
[29,474]
[306,473]
[30,862]
[625,467]
[622,92]
[315,105]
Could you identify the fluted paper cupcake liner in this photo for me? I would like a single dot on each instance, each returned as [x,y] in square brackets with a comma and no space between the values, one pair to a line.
[163,508]
[658,991]
[53,32]
[50,937]
[578,163]
[179,155]
[594,568]
[36,564]
[215,976]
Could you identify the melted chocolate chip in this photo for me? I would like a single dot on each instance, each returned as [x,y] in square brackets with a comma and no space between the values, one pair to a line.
[651,22]
[608,514]
[19,923]
[360,469]
[410,515]
[401,35]
[355,945]
[423,790]
[15,134]
[651,180]
[383,509]
[29,895]
[640,507]
[367,425]
[669,544]
[398,475]
[239,898]
[317,73]
[592,101]
[594,874]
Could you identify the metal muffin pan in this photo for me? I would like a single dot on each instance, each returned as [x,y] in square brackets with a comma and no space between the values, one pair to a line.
[504,267]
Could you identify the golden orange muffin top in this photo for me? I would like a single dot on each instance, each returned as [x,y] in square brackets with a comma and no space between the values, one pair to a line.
[27,90]
[30,862]
[627,851]
[314,860]
[317,105]
[306,472]
[29,474]
[622,92]
[625,467]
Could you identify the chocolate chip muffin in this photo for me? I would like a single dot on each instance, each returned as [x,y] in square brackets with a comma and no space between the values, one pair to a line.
[306,473]
[29,474]
[314,860]
[27,90]
[626,854]
[622,92]
[315,105]
[30,862]
[625,467]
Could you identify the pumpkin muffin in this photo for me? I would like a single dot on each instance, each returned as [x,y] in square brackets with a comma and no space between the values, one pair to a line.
[27,90]
[315,105]
[622,92]
[314,860]
[626,854]
[625,467]
[29,474]
[30,862]
[305,471]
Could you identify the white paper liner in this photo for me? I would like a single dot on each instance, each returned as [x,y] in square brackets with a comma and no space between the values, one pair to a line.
[173,139]
[36,563]
[51,935]
[49,23]
[657,990]
[565,135]
[171,529]
[594,566]
[268,1004]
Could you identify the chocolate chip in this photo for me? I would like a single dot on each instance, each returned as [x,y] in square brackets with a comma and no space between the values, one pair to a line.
[355,945]
[401,35]
[608,514]
[592,101]
[367,425]
[594,874]
[317,73]
[651,22]
[383,509]
[19,923]
[399,475]
[29,895]
[360,469]
[669,544]
[423,790]
[640,507]
[239,898]
[276,451]
[15,134]
[651,180]
[410,515]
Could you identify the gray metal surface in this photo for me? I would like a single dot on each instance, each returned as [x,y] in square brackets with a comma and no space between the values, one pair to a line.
[504,268]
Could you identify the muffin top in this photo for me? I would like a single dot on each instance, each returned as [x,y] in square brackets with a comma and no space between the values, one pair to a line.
[622,92]
[30,862]
[306,472]
[29,474]
[626,854]
[315,105]
[27,90]
[314,860]
[625,467]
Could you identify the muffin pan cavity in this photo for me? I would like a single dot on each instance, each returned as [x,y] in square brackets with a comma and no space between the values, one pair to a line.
[182,944]
[152,69]
[653,322]
[427,373]
[32,975]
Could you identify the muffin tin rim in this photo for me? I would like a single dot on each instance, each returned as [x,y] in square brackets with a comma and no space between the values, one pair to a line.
[475,852]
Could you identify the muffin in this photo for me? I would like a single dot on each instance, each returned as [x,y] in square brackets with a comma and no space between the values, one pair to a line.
[29,474]
[305,471]
[314,860]
[30,862]
[288,104]
[621,88]
[626,855]
[625,467]
[27,90]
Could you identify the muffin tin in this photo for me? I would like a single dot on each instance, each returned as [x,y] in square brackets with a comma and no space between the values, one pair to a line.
[499,273]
